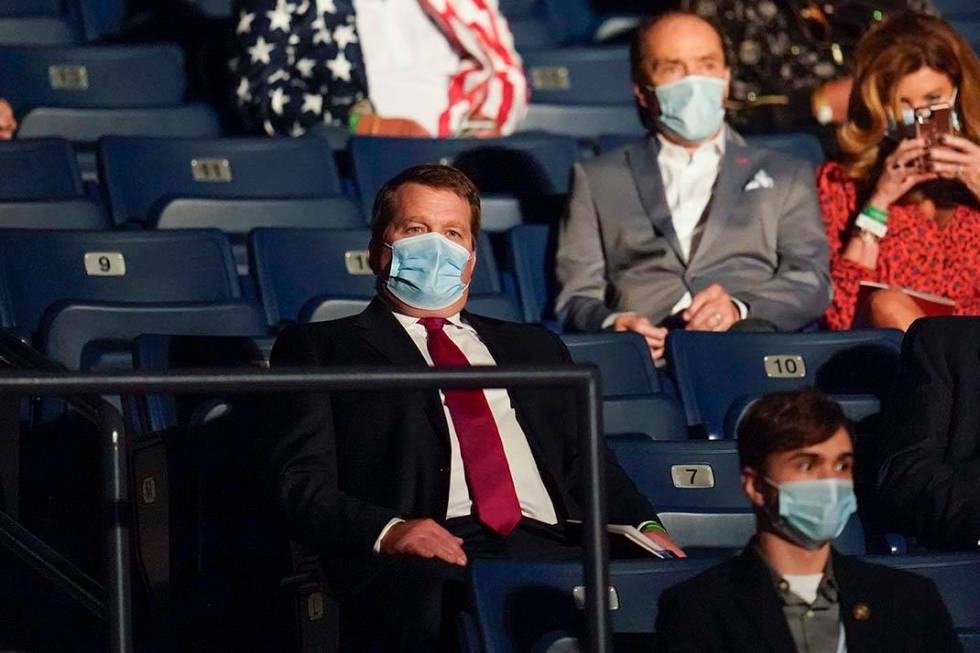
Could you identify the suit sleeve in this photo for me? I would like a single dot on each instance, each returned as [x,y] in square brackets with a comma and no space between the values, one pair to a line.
[581,262]
[684,625]
[304,460]
[931,412]
[799,290]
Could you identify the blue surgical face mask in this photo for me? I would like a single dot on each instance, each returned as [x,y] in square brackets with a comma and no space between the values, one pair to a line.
[692,107]
[426,271]
[812,513]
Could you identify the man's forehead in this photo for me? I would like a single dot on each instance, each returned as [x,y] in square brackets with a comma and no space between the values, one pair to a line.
[685,37]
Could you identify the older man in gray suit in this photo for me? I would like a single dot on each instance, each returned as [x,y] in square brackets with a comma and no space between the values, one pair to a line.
[689,228]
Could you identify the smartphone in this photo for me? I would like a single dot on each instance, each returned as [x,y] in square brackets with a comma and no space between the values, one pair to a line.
[933,121]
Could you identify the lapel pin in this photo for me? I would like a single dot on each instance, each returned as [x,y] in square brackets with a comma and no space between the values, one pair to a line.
[862,612]
[741,160]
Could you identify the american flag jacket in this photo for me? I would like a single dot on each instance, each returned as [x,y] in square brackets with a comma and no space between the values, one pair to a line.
[297,63]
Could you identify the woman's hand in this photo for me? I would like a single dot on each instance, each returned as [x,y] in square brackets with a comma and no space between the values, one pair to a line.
[898,176]
[8,124]
[957,158]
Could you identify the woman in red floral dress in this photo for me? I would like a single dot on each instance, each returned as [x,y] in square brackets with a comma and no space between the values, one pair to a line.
[905,211]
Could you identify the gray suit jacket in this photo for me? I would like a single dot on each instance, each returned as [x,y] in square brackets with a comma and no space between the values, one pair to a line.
[617,250]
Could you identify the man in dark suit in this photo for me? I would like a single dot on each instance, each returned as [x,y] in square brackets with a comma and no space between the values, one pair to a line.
[689,227]
[928,467]
[789,590]
[397,490]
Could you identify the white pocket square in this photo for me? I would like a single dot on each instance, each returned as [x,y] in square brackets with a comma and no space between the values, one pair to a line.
[761,180]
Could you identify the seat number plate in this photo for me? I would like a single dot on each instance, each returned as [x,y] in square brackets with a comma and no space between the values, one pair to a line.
[784,367]
[356,261]
[550,78]
[68,78]
[211,171]
[105,264]
[692,476]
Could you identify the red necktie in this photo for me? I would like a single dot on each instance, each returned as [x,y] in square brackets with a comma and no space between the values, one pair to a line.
[484,461]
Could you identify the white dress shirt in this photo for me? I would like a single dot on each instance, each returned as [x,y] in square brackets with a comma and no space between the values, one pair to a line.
[531,492]
[407,58]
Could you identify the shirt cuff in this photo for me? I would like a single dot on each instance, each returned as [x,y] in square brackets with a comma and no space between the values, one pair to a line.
[743,310]
[611,319]
[651,525]
[384,531]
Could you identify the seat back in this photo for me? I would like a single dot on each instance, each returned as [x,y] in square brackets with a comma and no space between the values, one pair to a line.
[502,593]
[54,214]
[140,174]
[92,76]
[39,268]
[35,31]
[87,125]
[714,371]
[530,256]
[577,76]
[526,166]
[41,169]
[30,8]
[293,266]
[584,120]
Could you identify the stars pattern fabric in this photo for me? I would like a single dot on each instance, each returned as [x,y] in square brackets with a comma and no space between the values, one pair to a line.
[296,64]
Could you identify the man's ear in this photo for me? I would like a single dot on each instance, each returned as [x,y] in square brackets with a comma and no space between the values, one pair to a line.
[752,485]
[641,96]
[728,82]
[374,256]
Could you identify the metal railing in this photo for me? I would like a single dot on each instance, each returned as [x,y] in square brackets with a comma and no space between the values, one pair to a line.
[583,380]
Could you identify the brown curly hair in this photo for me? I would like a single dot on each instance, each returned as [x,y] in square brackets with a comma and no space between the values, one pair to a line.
[900,46]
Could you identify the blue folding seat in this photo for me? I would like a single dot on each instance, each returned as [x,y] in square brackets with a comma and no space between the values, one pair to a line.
[802,145]
[633,399]
[719,374]
[88,125]
[531,168]
[41,268]
[41,169]
[583,120]
[93,76]
[955,575]
[530,259]
[30,7]
[577,76]
[35,31]
[296,270]
[141,175]
[503,593]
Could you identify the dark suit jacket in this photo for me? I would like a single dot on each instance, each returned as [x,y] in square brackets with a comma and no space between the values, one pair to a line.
[763,239]
[734,607]
[929,444]
[349,462]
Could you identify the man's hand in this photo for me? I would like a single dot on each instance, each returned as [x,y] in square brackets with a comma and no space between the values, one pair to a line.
[655,336]
[8,124]
[372,124]
[661,539]
[423,538]
[712,309]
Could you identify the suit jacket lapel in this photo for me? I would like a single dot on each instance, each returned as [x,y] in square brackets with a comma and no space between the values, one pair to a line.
[737,167]
[857,607]
[755,593]
[642,160]
[380,329]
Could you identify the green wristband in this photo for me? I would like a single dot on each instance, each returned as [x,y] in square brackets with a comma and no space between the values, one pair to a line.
[650,526]
[354,120]
[875,213]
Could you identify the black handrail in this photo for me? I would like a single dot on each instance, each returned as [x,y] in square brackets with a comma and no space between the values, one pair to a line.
[583,379]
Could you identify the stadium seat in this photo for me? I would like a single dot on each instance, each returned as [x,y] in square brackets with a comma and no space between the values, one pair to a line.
[805,146]
[97,77]
[35,31]
[40,268]
[583,120]
[955,575]
[527,167]
[54,214]
[42,169]
[88,125]
[633,401]
[715,371]
[140,175]
[293,266]
[577,76]
[530,258]
[240,216]
[502,593]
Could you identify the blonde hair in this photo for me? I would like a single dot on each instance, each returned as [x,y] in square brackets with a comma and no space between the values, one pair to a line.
[900,46]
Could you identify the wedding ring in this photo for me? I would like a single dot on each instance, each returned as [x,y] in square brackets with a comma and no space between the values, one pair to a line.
[959,171]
